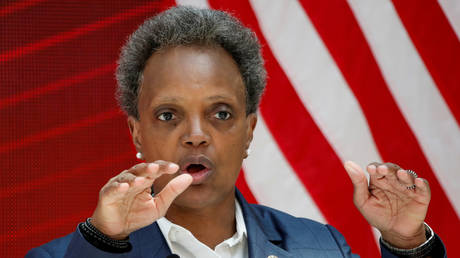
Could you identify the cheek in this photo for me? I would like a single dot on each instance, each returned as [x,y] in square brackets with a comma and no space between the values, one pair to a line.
[231,150]
[160,144]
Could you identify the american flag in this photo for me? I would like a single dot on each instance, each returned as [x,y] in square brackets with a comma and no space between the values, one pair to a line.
[347,80]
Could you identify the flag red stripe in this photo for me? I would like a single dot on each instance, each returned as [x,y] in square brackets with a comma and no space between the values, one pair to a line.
[307,154]
[437,44]
[345,41]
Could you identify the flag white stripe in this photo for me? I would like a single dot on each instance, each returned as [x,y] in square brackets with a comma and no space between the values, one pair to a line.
[414,91]
[451,9]
[269,175]
[316,79]
[196,3]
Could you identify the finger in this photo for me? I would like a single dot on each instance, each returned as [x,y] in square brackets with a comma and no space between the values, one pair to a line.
[378,193]
[385,171]
[376,180]
[141,176]
[375,163]
[154,169]
[358,178]
[405,178]
[144,170]
[175,187]
[135,184]
[125,177]
[392,166]
[422,185]
[396,181]
[372,170]
[113,192]
[422,188]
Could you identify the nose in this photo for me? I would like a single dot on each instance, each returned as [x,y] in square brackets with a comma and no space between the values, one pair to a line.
[196,135]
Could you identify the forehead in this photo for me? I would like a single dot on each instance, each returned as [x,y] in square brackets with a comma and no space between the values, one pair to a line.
[184,71]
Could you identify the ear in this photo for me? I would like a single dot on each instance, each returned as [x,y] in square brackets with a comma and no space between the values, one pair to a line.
[134,128]
[252,121]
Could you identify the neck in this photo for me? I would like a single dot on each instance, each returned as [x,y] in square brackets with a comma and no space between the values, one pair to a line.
[210,225]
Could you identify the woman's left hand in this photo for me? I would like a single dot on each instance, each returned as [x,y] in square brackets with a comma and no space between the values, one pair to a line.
[391,203]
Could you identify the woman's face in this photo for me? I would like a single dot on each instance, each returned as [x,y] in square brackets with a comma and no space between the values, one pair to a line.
[192,111]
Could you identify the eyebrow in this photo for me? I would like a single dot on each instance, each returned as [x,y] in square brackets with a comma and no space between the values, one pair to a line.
[219,97]
[169,99]
[175,99]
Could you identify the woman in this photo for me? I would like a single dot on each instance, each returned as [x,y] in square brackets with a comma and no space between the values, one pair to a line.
[190,81]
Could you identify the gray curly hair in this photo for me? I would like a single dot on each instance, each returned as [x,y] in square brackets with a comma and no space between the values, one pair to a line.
[185,25]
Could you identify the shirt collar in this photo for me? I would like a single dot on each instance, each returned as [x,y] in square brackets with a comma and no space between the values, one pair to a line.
[166,227]
[240,226]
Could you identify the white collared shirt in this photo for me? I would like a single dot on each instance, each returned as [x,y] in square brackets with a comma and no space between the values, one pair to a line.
[183,243]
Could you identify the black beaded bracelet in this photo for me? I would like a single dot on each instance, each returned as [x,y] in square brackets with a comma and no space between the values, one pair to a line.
[102,241]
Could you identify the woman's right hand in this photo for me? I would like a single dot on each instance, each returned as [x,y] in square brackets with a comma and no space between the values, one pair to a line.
[126,204]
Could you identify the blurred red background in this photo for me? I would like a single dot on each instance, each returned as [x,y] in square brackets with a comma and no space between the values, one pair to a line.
[63,135]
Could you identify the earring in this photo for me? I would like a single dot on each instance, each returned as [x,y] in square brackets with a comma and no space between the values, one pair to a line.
[139,155]
[248,151]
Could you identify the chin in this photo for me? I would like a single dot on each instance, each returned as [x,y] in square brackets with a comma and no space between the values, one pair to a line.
[199,197]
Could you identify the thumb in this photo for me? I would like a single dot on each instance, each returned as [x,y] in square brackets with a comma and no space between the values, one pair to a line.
[175,187]
[359,180]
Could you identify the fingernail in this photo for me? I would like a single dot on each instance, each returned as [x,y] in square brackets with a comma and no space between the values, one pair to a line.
[349,167]
[173,167]
[153,165]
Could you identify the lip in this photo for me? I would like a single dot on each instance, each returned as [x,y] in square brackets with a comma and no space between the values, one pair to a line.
[201,176]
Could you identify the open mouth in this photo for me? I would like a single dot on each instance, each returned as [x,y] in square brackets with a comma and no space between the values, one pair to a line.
[195,168]
[198,166]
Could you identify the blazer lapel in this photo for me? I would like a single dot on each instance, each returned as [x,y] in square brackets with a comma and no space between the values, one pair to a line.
[262,236]
[149,242]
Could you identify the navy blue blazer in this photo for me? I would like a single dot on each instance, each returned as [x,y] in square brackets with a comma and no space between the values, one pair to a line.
[270,232]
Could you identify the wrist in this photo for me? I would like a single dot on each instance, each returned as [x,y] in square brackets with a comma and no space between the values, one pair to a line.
[116,236]
[406,242]
[427,249]
[101,241]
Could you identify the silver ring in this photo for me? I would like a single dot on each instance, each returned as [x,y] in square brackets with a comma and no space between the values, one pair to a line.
[412,187]
[412,173]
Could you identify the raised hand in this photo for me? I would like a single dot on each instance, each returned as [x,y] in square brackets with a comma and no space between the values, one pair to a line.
[391,203]
[126,204]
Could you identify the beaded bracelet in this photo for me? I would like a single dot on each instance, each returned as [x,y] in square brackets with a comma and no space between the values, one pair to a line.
[102,241]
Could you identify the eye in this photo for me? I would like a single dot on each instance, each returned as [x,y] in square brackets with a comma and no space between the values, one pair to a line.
[166,116]
[222,115]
